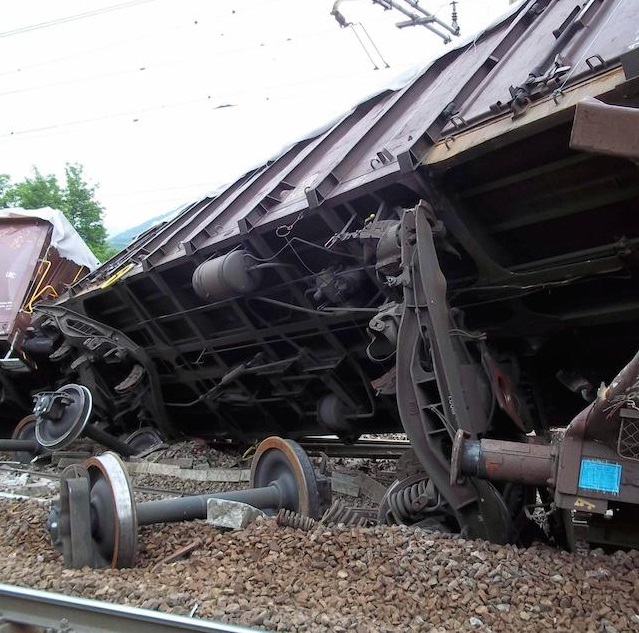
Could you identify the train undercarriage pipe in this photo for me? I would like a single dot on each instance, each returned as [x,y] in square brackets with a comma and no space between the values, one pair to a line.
[500,460]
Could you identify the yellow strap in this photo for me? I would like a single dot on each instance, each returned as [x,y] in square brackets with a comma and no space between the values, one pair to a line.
[117,276]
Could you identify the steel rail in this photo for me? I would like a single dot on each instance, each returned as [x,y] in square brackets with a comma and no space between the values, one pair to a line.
[148,489]
[23,607]
[368,448]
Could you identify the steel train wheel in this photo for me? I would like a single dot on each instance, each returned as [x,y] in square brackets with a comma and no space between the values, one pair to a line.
[58,434]
[285,464]
[111,497]
[25,430]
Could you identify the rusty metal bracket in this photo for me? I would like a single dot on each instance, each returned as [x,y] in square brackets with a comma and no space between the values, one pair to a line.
[606,129]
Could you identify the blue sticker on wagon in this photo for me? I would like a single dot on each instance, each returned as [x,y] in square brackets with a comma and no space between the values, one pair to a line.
[600,476]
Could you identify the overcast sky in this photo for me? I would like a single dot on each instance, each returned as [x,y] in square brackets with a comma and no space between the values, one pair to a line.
[163,101]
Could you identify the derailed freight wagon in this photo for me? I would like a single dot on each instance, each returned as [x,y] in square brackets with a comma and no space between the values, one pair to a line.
[456,259]
[41,255]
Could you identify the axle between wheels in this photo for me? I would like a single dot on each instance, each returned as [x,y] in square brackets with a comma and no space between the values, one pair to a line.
[96,518]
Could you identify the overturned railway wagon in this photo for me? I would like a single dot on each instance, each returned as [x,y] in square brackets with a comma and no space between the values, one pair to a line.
[41,255]
[456,259]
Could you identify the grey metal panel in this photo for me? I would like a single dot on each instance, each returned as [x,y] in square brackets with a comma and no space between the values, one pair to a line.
[608,33]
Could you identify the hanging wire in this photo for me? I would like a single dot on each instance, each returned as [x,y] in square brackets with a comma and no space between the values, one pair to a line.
[364,47]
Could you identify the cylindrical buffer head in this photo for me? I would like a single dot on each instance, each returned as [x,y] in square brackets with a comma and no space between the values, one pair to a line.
[231,275]
[500,460]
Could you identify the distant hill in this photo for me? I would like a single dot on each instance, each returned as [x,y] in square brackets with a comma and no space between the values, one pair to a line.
[123,239]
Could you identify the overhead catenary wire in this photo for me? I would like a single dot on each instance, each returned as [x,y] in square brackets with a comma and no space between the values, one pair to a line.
[365,48]
[304,37]
[148,67]
[150,35]
[133,112]
[84,53]
[222,103]
[72,18]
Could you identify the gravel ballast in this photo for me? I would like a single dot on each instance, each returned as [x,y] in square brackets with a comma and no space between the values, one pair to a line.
[339,579]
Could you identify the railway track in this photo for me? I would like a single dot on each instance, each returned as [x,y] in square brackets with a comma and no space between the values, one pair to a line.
[368,448]
[372,448]
[23,609]
[20,469]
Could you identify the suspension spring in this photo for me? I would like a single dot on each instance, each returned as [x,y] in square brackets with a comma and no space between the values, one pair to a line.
[288,518]
[411,502]
[337,514]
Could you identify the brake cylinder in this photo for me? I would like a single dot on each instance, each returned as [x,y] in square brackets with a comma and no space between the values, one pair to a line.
[231,275]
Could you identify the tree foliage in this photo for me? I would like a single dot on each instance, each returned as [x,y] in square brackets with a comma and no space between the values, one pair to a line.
[76,199]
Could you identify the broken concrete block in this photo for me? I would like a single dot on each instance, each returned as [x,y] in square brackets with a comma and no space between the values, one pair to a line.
[345,484]
[231,515]
[63,462]
[64,458]
[33,490]
[370,487]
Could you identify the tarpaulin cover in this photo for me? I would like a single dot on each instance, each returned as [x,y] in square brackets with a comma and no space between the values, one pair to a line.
[64,238]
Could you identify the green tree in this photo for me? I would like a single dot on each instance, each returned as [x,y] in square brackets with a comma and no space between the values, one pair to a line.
[84,212]
[33,193]
[5,185]
[76,200]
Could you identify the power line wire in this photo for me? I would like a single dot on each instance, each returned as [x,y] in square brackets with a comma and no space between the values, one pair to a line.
[221,99]
[154,66]
[82,54]
[72,18]
[106,117]
[116,43]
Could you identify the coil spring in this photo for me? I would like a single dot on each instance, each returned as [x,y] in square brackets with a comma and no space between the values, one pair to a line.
[339,512]
[288,518]
[407,504]
[336,514]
